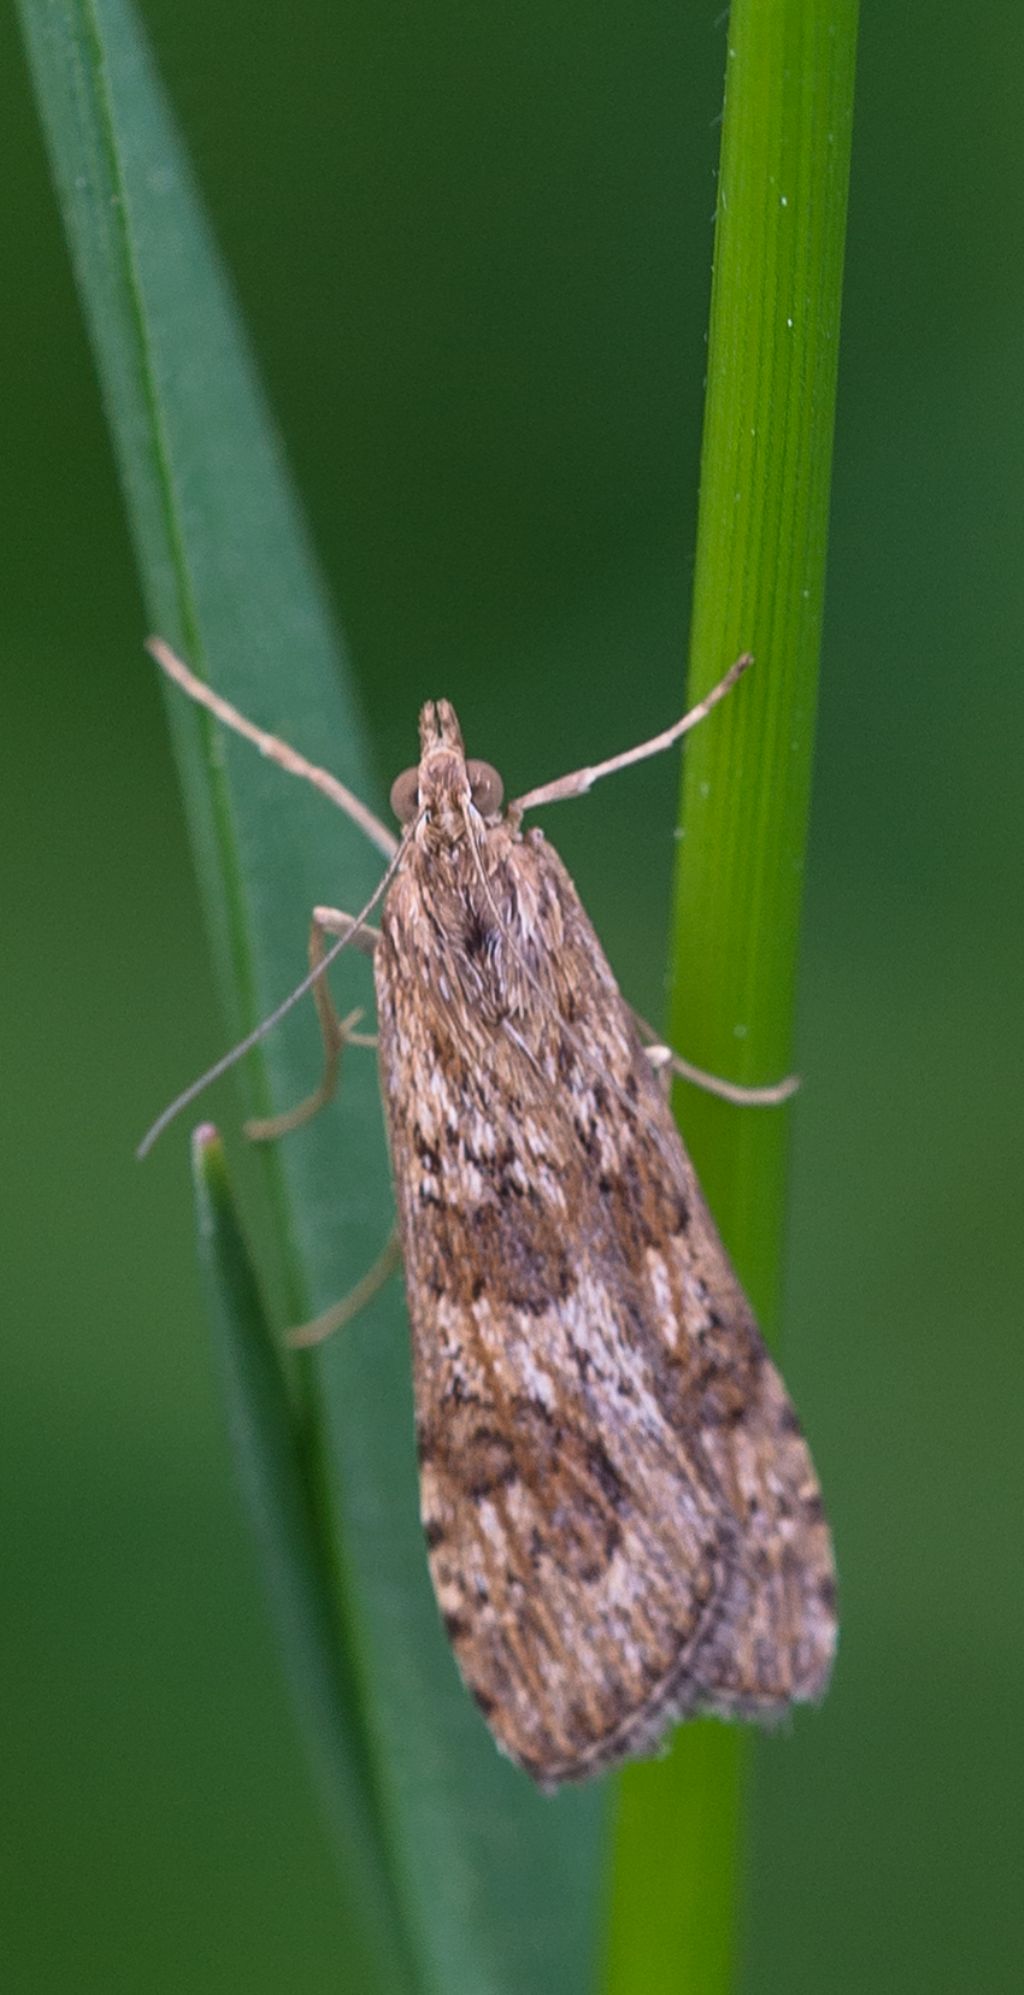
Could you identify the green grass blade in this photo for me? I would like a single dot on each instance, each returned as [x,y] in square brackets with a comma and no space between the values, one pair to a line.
[759,585]
[272,1471]
[497,1886]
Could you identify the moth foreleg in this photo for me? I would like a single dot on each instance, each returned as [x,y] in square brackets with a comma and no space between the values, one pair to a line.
[666,1063]
[335,1318]
[336,1032]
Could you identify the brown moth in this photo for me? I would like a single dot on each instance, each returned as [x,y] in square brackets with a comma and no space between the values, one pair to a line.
[623,1522]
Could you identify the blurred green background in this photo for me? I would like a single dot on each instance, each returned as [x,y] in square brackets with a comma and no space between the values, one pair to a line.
[473,253]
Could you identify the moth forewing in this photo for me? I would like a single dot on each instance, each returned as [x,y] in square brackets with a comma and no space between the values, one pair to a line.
[622,1518]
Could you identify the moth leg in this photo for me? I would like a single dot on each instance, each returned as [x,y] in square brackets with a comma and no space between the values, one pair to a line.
[336,1032]
[582,780]
[321,1327]
[660,1058]
[666,1063]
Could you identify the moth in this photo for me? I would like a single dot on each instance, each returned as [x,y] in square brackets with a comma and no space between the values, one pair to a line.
[622,1518]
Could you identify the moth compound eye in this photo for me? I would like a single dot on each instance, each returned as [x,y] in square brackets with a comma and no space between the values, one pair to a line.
[486,787]
[405,795]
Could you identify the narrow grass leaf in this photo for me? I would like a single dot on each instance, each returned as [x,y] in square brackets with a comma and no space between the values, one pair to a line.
[497,1887]
[273,1474]
[758,586]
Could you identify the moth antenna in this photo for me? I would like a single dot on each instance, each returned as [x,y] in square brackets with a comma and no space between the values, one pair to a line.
[253,1038]
[272,747]
[582,780]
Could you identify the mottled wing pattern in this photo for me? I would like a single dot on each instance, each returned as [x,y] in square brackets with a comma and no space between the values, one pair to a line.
[623,1521]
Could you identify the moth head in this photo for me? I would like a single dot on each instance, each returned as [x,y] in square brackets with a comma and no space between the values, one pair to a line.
[444,781]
